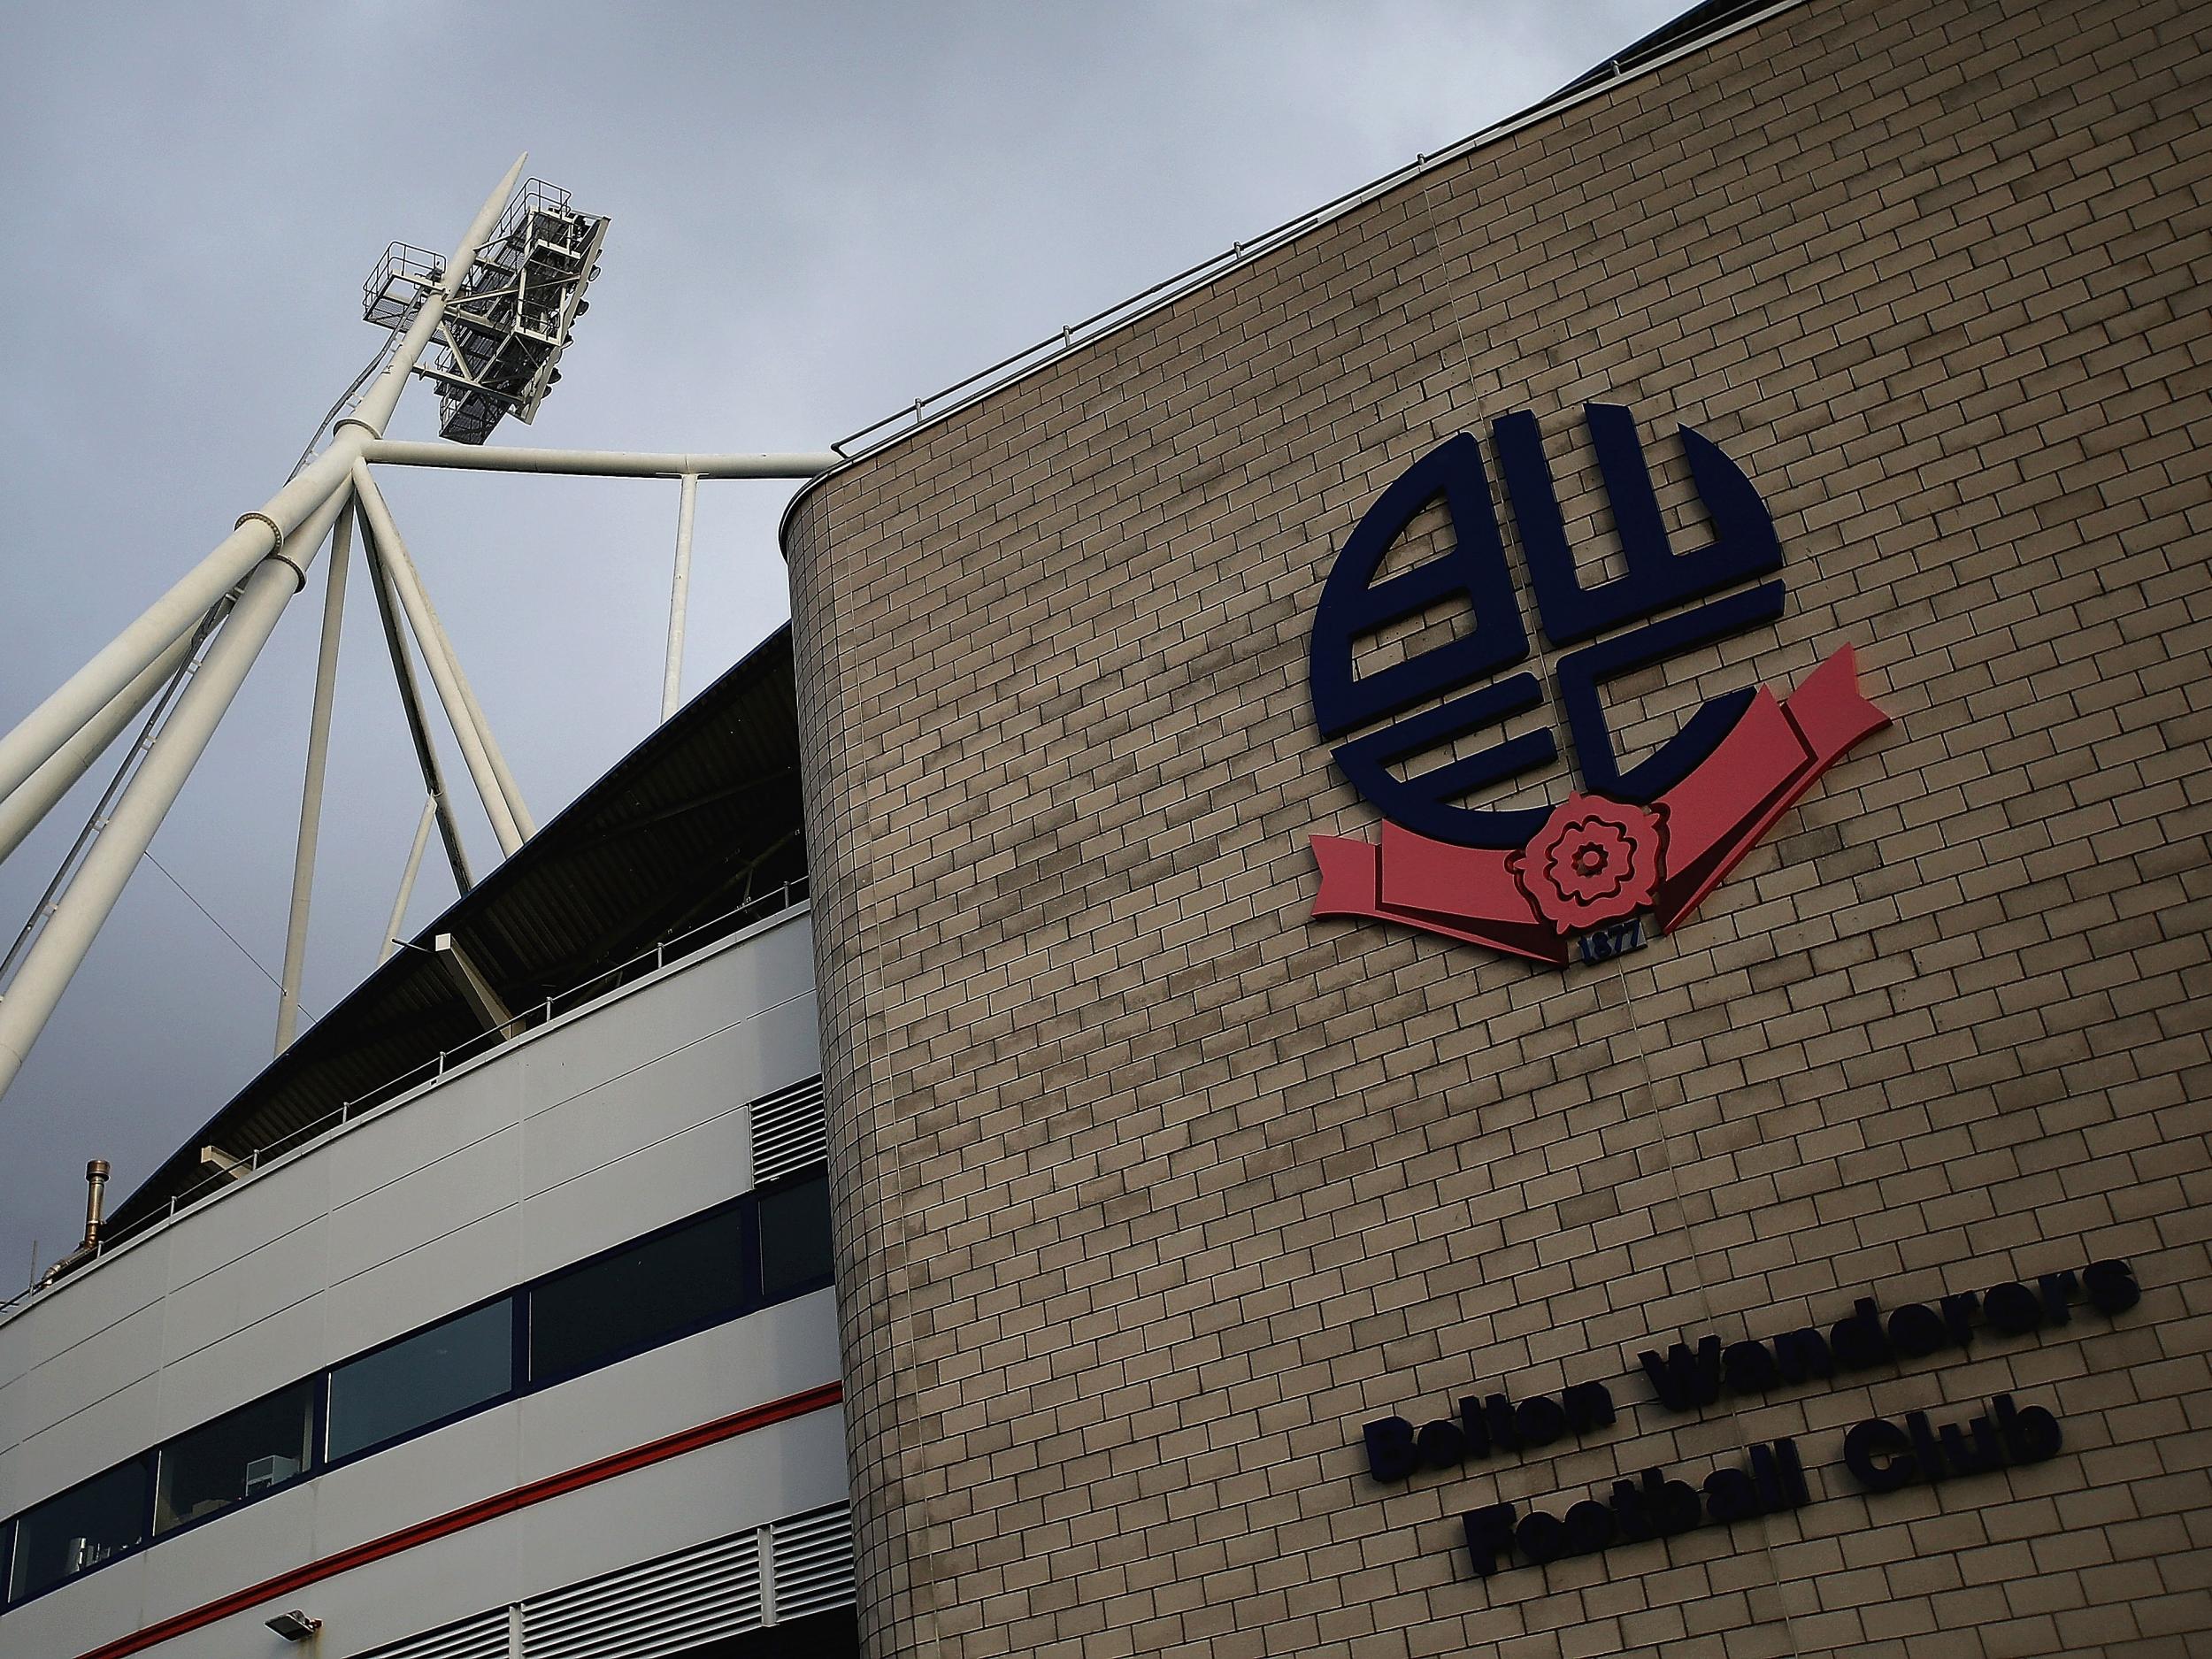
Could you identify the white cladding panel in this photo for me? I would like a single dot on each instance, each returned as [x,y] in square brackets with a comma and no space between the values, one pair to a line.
[135,1279]
[223,1349]
[681,1173]
[437,1194]
[744,1482]
[93,1393]
[613,1123]
[763,1357]
[474,1262]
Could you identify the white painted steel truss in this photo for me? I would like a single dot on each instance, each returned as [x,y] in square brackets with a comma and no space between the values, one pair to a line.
[492,321]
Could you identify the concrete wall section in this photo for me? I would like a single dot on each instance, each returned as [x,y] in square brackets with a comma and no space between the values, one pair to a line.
[1152,1190]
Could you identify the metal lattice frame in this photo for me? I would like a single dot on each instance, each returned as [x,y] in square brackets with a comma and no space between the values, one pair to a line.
[500,341]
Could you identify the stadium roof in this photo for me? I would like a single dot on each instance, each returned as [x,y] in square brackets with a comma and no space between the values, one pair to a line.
[692,835]
[702,814]
[1711,18]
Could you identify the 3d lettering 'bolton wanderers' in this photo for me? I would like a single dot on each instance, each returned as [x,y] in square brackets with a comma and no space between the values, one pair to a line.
[1653,838]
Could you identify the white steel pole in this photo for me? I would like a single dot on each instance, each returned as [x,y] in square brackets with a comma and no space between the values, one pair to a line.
[51,962]
[524,825]
[312,787]
[86,692]
[491,457]
[418,724]
[407,879]
[679,597]
[21,813]
[392,553]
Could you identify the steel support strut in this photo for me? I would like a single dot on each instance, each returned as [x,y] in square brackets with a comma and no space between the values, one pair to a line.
[524,825]
[679,597]
[21,813]
[491,457]
[418,723]
[407,879]
[47,970]
[445,672]
[312,787]
[90,688]
[254,554]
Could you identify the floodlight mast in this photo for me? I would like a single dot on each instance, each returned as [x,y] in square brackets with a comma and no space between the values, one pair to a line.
[253,554]
[498,312]
[258,535]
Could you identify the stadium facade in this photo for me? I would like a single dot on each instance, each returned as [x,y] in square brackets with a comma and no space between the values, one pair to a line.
[1502,920]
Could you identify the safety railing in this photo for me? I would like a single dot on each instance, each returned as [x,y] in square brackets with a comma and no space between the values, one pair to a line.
[1006,370]
[758,909]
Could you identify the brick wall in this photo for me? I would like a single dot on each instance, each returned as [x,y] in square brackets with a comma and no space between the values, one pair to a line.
[1151,1190]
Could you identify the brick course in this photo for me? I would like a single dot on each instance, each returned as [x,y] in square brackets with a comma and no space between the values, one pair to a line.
[1150,1189]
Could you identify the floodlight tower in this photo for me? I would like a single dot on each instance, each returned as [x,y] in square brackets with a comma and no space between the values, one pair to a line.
[488,325]
[500,339]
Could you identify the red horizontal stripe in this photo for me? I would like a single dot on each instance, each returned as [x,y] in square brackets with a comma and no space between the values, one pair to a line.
[475,1514]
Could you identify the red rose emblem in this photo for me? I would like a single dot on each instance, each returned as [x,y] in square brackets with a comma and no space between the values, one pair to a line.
[1593,861]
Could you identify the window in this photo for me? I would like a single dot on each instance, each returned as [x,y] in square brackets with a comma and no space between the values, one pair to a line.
[658,1288]
[251,1450]
[770,1245]
[818,1636]
[795,1236]
[79,1529]
[421,1380]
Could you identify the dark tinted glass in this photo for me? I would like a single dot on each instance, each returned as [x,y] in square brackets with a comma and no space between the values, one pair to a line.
[639,1296]
[79,1528]
[832,1635]
[257,1447]
[795,1236]
[430,1375]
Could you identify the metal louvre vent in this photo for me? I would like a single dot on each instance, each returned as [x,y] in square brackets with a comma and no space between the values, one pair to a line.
[790,1131]
[813,1556]
[662,1608]
[482,1637]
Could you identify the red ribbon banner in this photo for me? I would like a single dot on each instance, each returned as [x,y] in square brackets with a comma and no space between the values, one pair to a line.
[1666,857]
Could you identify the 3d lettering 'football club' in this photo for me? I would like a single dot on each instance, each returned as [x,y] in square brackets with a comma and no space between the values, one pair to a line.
[1648,840]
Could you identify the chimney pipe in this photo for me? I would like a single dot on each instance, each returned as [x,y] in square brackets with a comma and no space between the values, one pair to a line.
[96,1176]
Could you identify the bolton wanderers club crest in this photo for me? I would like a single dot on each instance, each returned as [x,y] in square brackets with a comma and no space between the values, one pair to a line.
[1650,840]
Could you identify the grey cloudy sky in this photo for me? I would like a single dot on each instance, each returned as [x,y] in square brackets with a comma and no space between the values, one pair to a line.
[820,212]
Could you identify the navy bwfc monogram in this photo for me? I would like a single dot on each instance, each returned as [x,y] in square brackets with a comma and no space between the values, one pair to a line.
[1656,836]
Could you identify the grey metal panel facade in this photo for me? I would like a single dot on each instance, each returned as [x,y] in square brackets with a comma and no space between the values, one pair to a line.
[577,1137]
